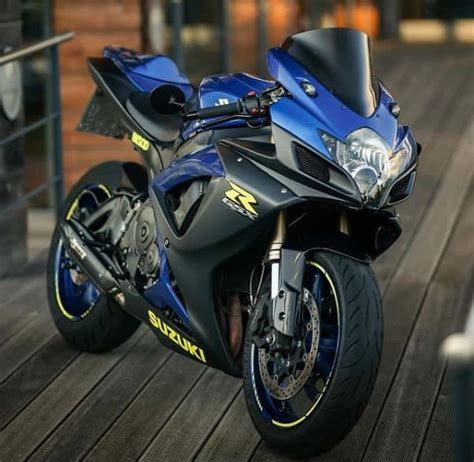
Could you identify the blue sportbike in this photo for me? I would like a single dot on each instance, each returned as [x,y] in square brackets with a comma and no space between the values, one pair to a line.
[245,235]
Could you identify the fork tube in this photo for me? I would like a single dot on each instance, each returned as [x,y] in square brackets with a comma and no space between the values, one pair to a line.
[274,253]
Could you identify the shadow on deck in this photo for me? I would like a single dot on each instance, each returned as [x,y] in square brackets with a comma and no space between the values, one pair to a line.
[142,401]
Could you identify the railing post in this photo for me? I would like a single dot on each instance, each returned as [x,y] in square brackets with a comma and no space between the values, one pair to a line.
[55,183]
[262,36]
[177,20]
[58,175]
[225,35]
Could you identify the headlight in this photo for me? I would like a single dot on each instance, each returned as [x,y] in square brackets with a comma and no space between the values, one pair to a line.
[369,160]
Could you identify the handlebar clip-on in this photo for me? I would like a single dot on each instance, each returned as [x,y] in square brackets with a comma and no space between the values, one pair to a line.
[248,106]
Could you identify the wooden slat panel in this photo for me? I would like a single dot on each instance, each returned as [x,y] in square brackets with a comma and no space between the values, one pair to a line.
[405,293]
[438,441]
[28,381]
[437,133]
[180,438]
[11,288]
[128,438]
[54,404]
[22,310]
[266,454]
[84,426]
[417,387]
[234,438]
[22,345]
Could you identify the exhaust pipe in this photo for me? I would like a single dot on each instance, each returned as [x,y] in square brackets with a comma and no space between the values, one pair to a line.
[74,236]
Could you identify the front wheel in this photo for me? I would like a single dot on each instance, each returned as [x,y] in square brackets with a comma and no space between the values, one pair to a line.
[303,402]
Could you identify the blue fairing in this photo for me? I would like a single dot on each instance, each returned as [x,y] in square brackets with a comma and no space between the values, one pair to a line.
[148,72]
[324,111]
[216,89]
[204,163]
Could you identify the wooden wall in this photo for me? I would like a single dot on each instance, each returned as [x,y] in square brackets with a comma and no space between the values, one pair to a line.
[12,225]
[96,24]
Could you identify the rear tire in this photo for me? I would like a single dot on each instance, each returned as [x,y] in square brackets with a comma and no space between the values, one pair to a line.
[104,325]
[353,374]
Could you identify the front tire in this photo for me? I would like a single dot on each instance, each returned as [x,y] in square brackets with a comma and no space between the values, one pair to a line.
[86,319]
[341,378]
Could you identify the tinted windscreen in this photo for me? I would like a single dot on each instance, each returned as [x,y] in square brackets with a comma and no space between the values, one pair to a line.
[340,59]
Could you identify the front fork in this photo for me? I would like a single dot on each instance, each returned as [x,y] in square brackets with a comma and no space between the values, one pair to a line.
[287,269]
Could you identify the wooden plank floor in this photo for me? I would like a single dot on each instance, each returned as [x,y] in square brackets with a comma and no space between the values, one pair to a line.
[141,401]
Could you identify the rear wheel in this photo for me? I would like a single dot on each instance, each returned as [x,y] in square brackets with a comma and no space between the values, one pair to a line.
[305,401]
[86,319]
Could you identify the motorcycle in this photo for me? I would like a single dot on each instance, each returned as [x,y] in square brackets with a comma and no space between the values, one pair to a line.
[244,238]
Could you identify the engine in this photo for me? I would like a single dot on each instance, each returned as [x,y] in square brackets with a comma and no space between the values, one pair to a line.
[138,244]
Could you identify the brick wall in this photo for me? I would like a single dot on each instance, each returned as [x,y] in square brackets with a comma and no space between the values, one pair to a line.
[96,24]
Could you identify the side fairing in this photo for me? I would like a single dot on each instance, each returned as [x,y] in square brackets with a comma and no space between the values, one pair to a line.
[219,231]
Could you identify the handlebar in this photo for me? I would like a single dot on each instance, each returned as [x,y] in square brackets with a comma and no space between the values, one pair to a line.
[216,111]
[250,105]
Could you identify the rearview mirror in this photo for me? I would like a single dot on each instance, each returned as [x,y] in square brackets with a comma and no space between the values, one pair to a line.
[167,99]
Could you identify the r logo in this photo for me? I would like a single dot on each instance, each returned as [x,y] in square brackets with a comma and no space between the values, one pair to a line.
[241,201]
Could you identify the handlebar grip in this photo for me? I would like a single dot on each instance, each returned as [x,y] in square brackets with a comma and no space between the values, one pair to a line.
[215,111]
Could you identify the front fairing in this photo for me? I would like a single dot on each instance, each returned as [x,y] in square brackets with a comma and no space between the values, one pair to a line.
[305,116]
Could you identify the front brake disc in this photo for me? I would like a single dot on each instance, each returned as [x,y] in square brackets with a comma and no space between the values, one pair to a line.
[285,374]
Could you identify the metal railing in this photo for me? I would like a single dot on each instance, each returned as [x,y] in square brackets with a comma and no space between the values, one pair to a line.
[55,181]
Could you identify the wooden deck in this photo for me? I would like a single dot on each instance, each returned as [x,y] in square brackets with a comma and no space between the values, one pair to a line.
[143,402]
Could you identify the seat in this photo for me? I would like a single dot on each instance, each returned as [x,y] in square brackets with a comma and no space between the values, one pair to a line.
[161,127]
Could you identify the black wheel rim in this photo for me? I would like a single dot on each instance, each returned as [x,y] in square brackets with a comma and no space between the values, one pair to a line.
[77,296]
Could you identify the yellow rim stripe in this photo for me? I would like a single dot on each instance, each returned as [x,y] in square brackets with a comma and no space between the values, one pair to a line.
[69,215]
[296,422]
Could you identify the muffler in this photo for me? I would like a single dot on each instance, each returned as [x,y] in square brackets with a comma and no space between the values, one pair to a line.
[75,238]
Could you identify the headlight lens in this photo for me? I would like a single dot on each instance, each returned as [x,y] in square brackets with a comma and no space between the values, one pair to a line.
[369,160]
